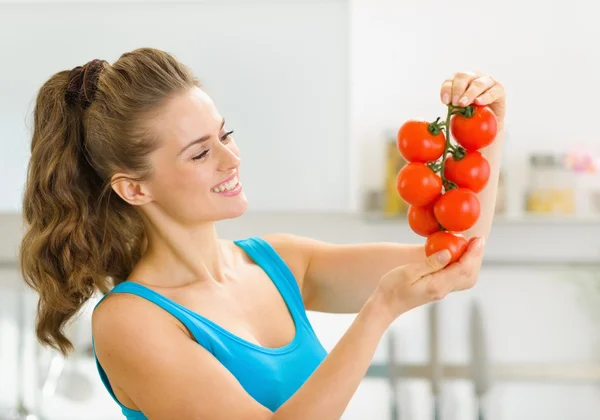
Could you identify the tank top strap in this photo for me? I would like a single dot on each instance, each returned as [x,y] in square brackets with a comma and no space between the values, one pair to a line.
[176,310]
[166,304]
[263,254]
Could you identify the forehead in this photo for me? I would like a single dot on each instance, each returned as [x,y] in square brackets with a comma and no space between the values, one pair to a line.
[186,117]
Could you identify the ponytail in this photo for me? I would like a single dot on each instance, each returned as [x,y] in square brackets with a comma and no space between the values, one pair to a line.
[89,125]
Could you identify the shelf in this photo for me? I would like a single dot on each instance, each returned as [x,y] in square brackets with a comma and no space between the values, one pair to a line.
[375,217]
[529,241]
[542,373]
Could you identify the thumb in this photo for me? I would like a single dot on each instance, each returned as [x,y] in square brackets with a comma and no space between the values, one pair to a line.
[431,264]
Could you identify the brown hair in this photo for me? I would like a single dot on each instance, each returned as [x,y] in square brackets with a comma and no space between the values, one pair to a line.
[89,124]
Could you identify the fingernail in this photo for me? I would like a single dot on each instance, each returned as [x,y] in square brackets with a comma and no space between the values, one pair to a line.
[481,242]
[455,100]
[464,100]
[446,99]
[443,256]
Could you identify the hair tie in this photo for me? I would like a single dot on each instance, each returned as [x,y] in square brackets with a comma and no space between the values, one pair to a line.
[83,83]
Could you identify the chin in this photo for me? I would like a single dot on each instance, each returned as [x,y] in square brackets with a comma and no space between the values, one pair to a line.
[235,210]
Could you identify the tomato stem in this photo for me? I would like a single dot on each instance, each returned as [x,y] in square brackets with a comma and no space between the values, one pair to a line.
[458,153]
[450,186]
[467,111]
[435,127]
[434,166]
[447,147]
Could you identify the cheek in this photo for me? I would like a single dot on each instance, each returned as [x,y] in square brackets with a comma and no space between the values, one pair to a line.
[197,177]
[182,180]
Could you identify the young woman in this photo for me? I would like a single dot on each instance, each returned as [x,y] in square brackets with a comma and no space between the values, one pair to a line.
[131,166]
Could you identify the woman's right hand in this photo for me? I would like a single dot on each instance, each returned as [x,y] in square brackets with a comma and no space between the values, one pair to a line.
[409,286]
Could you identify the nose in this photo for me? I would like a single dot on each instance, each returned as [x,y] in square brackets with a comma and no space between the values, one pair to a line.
[228,159]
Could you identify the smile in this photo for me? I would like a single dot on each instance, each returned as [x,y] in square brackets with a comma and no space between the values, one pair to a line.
[230,185]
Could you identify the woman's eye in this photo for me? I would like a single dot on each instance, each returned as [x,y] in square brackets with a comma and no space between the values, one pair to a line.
[224,138]
[201,155]
[227,137]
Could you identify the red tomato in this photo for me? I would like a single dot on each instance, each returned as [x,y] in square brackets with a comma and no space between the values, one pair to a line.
[455,243]
[417,184]
[472,171]
[457,210]
[422,220]
[477,131]
[417,144]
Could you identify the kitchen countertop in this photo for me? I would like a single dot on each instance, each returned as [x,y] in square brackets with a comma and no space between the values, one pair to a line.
[523,240]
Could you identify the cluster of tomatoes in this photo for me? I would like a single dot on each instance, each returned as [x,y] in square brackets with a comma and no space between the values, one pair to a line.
[442,178]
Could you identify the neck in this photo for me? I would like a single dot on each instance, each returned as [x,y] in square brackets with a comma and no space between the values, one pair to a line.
[181,255]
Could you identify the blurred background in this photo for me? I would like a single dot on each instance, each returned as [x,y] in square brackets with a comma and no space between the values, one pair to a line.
[316,90]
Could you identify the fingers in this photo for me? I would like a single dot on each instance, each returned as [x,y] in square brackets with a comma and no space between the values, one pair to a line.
[465,88]
[493,94]
[431,264]
[469,264]
[461,275]
[434,283]
[436,286]
[446,92]
[476,87]
[460,83]
[474,250]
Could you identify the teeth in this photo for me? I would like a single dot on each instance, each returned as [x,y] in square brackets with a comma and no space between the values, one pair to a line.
[228,186]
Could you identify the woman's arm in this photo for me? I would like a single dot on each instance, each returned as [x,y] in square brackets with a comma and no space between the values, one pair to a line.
[466,88]
[488,196]
[168,376]
[339,278]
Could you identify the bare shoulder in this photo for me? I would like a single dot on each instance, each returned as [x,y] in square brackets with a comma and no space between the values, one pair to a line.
[111,310]
[123,318]
[296,251]
[289,242]
[121,310]
[162,372]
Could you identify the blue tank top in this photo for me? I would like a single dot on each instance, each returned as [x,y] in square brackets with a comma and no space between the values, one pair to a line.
[269,375]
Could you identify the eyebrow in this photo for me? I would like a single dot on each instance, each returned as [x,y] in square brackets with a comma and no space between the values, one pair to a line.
[200,140]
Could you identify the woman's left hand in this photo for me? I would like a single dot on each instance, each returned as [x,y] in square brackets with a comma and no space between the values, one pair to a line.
[466,88]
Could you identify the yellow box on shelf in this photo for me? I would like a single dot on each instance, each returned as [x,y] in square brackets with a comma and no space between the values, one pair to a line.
[393,204]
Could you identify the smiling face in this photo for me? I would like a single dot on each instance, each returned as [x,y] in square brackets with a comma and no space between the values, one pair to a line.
[196,170]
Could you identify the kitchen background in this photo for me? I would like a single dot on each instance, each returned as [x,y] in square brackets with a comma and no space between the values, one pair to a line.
[315,91]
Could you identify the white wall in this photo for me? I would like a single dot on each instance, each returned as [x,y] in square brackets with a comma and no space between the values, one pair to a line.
[276,70]
[545,54]
[326,115]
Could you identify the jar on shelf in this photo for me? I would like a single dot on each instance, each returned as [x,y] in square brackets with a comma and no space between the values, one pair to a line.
[551,186]
[393,204]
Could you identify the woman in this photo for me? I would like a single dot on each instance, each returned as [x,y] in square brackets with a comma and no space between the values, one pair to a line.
[131,165]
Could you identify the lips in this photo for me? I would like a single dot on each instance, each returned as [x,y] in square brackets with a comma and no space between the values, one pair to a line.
[229,178]
[227,186]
